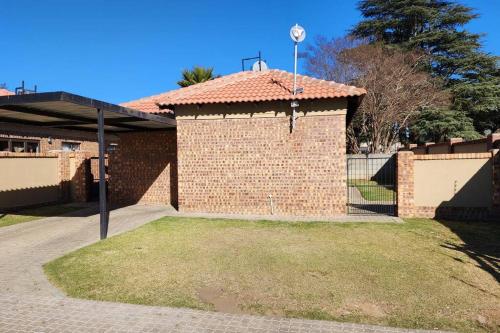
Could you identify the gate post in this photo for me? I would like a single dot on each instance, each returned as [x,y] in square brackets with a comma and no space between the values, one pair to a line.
[103,210]
[405,206]
[495,158]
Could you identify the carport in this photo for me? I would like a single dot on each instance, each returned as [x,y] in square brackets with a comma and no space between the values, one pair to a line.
[68,111]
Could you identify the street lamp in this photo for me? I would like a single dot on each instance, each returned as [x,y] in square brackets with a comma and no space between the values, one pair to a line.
[298,34]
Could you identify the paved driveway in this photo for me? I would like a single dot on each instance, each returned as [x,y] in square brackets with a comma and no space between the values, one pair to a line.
[29,303]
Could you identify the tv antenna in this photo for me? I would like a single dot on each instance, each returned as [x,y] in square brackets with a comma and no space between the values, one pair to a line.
[22,90]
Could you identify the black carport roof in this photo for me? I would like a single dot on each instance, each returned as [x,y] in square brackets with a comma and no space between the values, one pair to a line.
[68,111]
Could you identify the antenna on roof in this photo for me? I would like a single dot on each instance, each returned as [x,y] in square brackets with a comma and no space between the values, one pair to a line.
[259,65]
[24,91]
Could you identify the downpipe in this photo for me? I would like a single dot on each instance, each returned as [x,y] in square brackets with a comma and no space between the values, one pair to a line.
[271,204]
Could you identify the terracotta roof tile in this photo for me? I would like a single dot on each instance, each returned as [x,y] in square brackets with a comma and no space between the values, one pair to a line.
[5,92]
[246,86]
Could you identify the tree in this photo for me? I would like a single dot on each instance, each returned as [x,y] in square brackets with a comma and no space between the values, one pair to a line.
[196,75]
[436,28]
[480,99]
[324,58]
[397,88]
[438,125]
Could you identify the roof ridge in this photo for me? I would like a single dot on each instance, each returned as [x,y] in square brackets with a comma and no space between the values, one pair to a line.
[190,89]
[211,85]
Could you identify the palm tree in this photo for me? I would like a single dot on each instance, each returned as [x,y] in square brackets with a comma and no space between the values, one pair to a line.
[196,75]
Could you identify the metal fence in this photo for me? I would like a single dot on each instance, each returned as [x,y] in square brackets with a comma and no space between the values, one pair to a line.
[371,184]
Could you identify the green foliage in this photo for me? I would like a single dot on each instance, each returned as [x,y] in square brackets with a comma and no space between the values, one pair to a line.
[196,75]
[437,125]
[481,100]
[436,27]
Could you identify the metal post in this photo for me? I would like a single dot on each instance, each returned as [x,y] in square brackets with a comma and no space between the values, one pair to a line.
[295,70]
[294,92]
[103,211]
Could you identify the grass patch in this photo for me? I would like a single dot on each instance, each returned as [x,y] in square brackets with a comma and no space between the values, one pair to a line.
[32,214]
[370,190]
[416,275]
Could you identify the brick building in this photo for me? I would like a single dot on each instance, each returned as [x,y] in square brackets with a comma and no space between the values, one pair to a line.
[234,151]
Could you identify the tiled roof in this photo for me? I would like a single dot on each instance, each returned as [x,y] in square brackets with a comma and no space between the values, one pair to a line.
[5,92]
[247,86]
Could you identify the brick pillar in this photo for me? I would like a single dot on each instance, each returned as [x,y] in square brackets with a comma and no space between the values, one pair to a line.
[452,142]
[64,177]
[496,181]
[79,178]
[404,182]
[493,141]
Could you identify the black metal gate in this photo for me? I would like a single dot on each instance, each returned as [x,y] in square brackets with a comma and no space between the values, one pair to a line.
[371,181]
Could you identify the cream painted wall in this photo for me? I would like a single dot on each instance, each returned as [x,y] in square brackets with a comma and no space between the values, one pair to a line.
[28,181]
[453,183]
[18,172]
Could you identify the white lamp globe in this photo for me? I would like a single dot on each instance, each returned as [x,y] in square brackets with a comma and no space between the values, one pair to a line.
[297,33]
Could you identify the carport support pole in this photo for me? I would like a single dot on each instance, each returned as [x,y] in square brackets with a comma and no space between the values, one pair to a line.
[103,211]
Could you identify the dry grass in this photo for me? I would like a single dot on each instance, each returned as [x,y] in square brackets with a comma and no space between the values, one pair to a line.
[418,274]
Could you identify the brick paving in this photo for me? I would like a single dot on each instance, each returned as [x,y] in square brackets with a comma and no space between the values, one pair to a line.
[59,314]
[28,303]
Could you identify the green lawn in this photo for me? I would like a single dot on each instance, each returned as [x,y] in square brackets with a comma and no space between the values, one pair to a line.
[33,214]
[370,190]
[419,274]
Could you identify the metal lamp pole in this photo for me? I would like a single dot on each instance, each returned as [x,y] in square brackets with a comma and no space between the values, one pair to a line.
[294,92]
[298,34]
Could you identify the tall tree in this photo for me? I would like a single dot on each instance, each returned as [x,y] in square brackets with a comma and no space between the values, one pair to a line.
[397,88]
[196,75]
[437,28]
[438,125]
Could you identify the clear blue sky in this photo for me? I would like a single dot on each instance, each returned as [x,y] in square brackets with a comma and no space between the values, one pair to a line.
[119,50]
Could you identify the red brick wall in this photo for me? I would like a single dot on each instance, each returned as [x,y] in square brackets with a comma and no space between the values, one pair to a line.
[404,182]
[233,165]
[143,168]
[74,187]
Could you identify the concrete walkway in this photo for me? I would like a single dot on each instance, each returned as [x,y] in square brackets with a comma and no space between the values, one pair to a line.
[29,303]
[366,217]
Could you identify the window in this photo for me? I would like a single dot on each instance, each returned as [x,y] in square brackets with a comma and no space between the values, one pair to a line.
[32,147]
[70,146]
[19,146]
[4,145]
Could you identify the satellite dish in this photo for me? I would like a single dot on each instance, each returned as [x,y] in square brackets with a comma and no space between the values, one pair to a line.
[259,66]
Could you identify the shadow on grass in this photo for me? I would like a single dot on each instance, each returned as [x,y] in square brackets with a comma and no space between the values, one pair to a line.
[480,243]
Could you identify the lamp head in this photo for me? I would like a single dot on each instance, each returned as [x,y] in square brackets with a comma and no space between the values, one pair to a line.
[297,33]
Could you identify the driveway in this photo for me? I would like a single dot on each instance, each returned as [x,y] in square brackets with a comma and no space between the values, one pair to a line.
[29,303]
